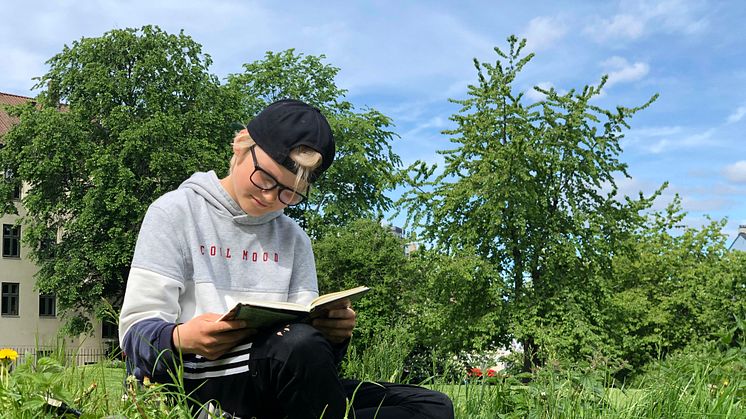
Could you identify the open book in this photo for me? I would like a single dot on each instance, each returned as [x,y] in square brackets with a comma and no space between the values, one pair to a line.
[262,314]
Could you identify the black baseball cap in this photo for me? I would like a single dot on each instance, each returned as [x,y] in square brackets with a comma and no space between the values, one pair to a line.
[287,124]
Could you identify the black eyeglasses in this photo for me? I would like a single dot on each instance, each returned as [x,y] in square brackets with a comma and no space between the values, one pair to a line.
[266,182]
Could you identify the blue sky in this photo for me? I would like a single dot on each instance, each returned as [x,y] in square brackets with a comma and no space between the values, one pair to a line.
[406,58]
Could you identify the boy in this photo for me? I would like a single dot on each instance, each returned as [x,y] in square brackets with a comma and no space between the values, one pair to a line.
[213,242]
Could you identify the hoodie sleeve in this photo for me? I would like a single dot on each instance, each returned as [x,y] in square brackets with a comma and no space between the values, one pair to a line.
[151,300]
[149,350]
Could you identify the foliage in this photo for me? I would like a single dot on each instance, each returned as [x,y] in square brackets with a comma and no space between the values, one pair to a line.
[30,383]
[448,303]
[365,253]
[140,114]
[532,189]
[382,360]
[678,286]
[704,381]
[46,388]
[699,381]
[365,166]
[459,304]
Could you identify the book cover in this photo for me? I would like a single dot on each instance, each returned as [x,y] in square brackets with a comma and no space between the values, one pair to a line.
[261,314]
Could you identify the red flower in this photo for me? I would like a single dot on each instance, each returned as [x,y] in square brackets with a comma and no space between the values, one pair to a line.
[474,372]
[491,373]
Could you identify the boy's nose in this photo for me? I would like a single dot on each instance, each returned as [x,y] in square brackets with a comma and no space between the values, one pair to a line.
[270,196]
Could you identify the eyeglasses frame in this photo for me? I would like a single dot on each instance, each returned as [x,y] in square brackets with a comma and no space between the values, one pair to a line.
[280,187]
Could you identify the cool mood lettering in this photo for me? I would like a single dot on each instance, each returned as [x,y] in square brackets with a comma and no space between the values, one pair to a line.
[219,251]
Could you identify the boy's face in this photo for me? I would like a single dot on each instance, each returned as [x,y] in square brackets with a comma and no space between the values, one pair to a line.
[252,199]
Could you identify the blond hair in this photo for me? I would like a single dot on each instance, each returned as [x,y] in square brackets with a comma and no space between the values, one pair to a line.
[305,159]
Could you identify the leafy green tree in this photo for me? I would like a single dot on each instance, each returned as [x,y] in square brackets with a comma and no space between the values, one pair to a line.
[141,113]
[679,286]
[365,167]
[365,253]
[449,303]
[531,187]
[460,303]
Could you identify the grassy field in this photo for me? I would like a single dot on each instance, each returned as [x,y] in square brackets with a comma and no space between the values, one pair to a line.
[551,397]
[711,385]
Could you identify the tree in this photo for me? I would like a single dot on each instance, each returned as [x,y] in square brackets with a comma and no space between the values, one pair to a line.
[459,304]
[365,253]
[365,166]
[678,287]
[141,113]
[449,303]
[531,187]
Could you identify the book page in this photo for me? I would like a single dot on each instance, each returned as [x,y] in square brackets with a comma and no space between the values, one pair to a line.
[286,311]
[352,294]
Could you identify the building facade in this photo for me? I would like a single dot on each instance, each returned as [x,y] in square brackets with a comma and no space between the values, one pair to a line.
[29,321]
[740,242]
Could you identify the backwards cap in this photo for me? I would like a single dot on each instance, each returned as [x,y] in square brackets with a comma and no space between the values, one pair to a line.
[287,124]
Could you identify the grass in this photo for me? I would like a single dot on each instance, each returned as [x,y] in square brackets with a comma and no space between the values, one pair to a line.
[98,390]
[110,379]
[476,400]
[694,385]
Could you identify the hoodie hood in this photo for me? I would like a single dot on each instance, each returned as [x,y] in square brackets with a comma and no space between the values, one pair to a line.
[207,185]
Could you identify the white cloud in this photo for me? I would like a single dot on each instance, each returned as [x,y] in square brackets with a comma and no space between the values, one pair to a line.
[697,201]
[663,139]
[737,115]
[632,186]
[736,172]
[535,95]
[432,125]
[440,53]
[620,26]
[621,71]
[543,31]
[688,141]
[658,131]
[706,204]
[642,17]
[675,16]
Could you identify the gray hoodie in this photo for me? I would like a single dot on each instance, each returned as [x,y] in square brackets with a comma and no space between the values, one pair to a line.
[199,252]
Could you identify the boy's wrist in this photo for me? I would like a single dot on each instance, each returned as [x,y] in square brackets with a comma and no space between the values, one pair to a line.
[170,338]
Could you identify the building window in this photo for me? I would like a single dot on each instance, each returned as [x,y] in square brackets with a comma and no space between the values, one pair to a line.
[10,299]
[109,330]
[47,305]
[16,188]
[11,241]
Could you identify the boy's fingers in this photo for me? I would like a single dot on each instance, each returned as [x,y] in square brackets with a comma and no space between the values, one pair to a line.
[234,336]
[341,313]
[344,324]
[338,305]
[230,325]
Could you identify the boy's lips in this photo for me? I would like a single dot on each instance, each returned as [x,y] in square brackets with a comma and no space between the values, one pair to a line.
[260,203]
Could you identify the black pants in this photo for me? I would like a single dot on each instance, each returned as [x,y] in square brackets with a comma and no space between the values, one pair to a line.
[292,373]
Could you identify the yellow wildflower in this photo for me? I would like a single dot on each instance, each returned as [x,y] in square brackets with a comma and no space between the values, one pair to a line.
[10,354]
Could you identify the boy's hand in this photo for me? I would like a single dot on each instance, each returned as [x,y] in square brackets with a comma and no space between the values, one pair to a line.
[338,323]
[205,336]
